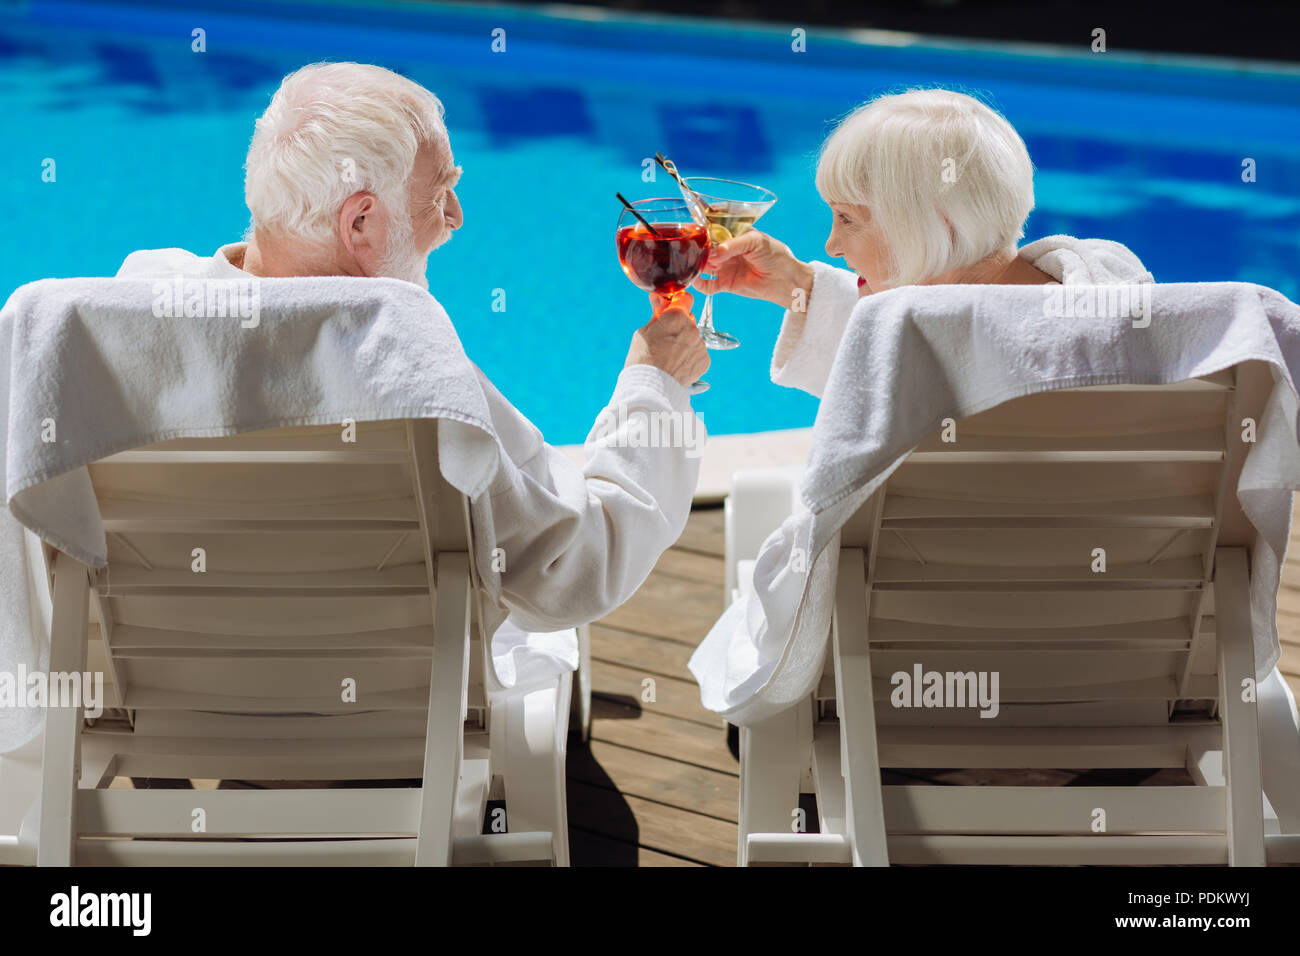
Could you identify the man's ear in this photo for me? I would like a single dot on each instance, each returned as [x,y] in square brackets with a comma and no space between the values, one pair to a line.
[356,223]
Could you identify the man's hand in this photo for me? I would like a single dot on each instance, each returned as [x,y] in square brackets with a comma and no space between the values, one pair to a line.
[670,341]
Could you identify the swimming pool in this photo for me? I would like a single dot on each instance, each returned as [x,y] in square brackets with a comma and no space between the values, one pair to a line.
[149,138]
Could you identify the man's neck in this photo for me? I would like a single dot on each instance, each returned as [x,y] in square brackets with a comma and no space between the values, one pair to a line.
[268,259]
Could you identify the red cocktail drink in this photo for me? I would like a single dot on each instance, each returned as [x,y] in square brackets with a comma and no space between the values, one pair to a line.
[665,263]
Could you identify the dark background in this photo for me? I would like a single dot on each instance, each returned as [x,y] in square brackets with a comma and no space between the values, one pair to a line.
[1265,29]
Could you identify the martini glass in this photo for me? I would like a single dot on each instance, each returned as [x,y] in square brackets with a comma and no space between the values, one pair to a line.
[662,249]
[732,209]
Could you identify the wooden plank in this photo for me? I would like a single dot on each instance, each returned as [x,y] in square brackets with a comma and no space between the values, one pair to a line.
[1043,747]
[674,697]
[128,639]
[1118,456]
[370,436]
[703,532]
[408,579]
[387,514]
[656,656]
[682,740]
[668,606]
[1171,633]
[665,829]
[367,811]
[175,456]
[909,511]
[1091,850]
[1053,810]
[707,569]
[592,849]
[660,779]
[155,698]
[1174,573]
[1203,440]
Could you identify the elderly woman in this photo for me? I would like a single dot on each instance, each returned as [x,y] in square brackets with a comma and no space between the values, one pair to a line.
[927,187]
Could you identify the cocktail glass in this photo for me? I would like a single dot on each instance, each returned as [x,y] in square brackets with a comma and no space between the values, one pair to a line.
[732,208]
[665,253]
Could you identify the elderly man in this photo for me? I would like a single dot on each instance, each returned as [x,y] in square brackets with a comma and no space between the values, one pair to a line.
[350,172]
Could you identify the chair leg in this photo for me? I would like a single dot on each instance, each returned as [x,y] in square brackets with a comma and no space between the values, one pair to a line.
[1279,741]
[581,694]
[532,748]
[773,757]
[445,739]
[864,801]
[20,797]
[61,764]
[1239,717]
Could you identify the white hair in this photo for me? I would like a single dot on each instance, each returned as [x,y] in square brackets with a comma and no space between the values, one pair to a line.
[918,158]
[334,129]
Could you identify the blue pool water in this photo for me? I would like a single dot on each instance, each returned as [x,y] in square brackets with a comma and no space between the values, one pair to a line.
[149,141]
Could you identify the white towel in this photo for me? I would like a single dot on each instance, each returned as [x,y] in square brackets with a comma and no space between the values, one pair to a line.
[90,357]
[913,356]
[24,623]
[522,660]
[808,343]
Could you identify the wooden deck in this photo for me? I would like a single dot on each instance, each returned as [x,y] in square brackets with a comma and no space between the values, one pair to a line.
[658,785]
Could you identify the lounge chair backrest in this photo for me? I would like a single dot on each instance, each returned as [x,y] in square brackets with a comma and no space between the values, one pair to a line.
[289,604]
[1067,541]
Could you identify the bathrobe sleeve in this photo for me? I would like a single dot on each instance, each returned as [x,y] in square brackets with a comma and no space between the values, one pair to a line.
[808,341]
[574,541]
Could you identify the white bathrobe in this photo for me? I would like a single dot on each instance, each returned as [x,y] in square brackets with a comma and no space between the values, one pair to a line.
[581,539]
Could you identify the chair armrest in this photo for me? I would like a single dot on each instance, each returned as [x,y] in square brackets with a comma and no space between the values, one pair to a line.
[760,499]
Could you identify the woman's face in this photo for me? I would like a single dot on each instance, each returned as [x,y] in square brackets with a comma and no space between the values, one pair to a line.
[855,239]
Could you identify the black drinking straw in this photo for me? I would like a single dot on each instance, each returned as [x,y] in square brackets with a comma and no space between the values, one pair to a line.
[652,229]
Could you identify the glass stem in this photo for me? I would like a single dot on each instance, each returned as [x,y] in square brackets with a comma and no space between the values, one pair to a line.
[706,314]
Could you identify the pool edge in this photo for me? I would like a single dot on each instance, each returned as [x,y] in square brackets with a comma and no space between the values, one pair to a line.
[726,454]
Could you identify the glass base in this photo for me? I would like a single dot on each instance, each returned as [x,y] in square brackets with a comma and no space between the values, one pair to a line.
[696,387]
[719,340]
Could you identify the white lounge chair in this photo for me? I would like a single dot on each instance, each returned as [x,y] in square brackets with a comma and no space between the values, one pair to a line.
[281,605]
[983,555]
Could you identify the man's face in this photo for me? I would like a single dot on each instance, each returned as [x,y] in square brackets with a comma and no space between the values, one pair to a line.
[434,213]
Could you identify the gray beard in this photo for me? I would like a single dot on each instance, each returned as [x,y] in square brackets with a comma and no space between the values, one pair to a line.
[402,260]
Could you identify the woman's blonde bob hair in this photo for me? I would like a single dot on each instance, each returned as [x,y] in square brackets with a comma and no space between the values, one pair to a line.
[947,179]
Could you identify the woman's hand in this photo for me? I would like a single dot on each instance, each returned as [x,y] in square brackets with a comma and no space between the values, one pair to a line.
[757,266]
